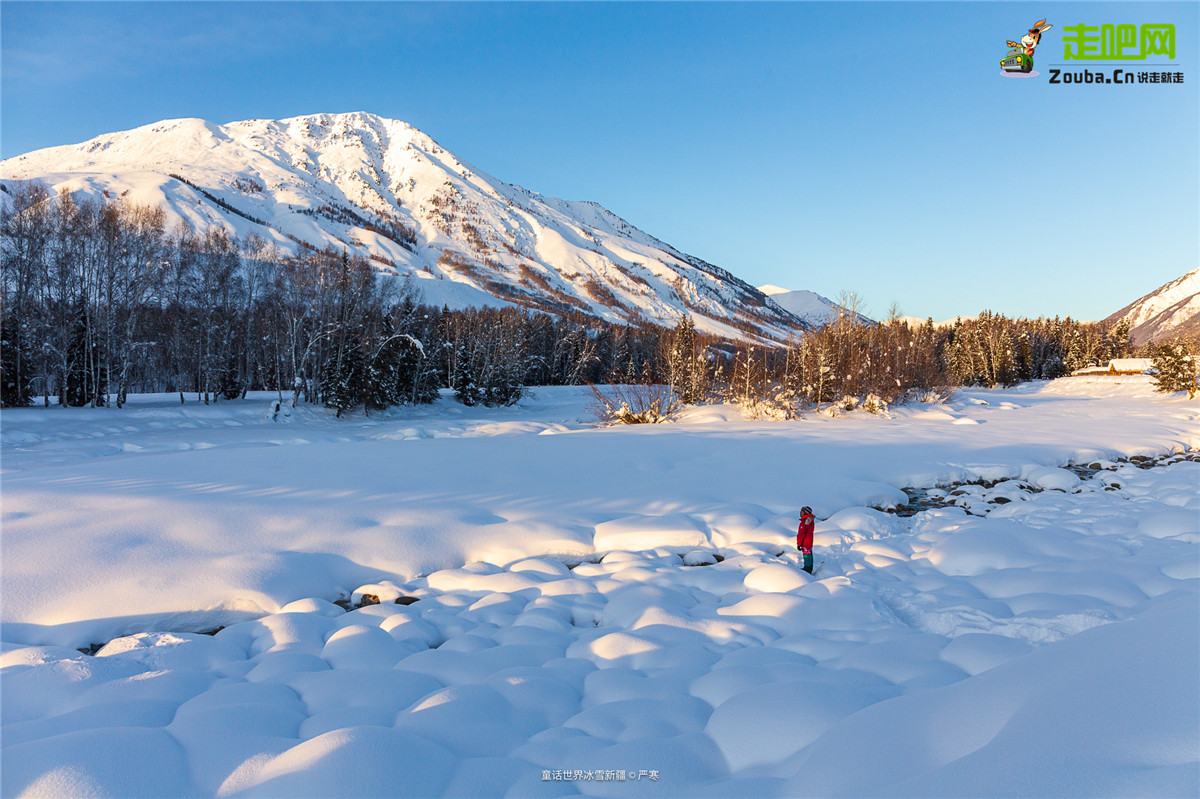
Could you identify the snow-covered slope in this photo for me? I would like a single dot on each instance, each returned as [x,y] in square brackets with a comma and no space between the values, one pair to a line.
[386,190]
[807,305]
[1169,311]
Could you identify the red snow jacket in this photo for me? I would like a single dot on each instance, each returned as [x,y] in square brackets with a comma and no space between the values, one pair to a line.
[804,533]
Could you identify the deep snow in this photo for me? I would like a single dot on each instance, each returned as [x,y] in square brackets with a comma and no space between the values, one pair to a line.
[1045,643]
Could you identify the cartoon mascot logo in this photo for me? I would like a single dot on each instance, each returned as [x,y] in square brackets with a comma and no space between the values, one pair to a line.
[1019,60]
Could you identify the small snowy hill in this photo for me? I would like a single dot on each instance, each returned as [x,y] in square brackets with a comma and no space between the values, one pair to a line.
[807,305]
[1169,311]
[385,190]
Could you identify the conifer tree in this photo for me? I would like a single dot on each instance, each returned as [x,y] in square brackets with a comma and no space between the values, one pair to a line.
[230,385]
[683,368]
[76,384]
[465,378]
[1119,344]
[16,364]
[345,383]
[1174,370]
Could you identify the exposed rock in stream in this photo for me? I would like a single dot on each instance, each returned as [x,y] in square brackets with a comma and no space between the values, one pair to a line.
[977,497]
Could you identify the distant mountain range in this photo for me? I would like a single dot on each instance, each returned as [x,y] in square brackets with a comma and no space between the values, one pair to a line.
[383,189]
[809,306]
[1168,311]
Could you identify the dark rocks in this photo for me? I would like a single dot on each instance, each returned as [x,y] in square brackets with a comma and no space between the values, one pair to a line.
[977,497]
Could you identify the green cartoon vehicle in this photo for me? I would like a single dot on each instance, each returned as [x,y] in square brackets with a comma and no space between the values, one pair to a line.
[1020,57]
[1016,60]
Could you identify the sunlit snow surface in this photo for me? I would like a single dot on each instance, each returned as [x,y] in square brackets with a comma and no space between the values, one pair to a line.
[1045,646]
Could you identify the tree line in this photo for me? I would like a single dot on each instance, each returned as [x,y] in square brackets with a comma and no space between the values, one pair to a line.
[851,362]
[102,299]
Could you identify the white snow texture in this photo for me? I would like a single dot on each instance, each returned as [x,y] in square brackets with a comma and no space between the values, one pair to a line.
[600,606]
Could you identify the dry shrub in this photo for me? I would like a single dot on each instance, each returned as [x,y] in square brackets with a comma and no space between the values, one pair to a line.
[777,406]
[636,403]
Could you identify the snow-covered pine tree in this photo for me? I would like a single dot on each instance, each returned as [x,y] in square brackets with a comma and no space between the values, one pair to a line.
[1076,352]
[465,377]
[684,372]
[1174,370]
[382,389]
[399,374]
[1118,342]
[345,381]
[1024,357]
[506,363]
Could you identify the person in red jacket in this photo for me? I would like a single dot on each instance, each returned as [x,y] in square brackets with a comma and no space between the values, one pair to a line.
[804,537]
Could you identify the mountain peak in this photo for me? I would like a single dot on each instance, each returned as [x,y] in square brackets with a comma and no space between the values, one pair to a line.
[808,306]
[383,189]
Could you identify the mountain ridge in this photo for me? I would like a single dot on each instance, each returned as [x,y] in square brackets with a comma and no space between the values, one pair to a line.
[386,190]
[1173,309]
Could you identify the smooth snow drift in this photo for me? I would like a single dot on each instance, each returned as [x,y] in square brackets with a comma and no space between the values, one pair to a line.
[596,607]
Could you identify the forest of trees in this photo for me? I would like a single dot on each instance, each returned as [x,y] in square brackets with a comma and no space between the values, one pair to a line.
[104,299]
[851,362]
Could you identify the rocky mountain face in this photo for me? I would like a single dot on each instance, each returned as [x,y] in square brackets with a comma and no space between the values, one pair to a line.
[1169,311]
[385,190]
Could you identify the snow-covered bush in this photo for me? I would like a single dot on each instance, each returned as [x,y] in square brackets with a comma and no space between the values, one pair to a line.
[873,403]
[636,403]
[770,409]
[778,404]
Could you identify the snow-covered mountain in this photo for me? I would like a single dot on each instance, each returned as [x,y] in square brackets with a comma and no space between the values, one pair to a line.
[807,305]
[384,189]
[1169,311]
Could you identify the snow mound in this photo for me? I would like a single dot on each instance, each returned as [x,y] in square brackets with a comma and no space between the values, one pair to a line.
[927,655]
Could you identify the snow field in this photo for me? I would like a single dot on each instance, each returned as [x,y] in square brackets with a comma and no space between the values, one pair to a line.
[1044,646]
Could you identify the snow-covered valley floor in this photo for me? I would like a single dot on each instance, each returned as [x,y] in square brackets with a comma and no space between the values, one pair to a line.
[602,611]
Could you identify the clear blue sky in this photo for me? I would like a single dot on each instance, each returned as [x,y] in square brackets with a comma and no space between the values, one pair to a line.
[870,147]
